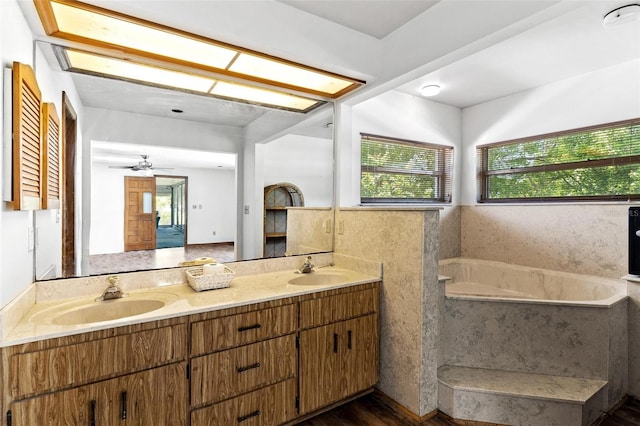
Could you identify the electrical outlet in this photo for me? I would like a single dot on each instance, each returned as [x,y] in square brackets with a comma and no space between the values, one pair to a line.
[214,232]
[246,209]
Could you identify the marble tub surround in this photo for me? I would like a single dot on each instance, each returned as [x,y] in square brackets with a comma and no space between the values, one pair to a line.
[405,241]
[513,398]
[588,238]
[572,341]
[254,282]
[478,278]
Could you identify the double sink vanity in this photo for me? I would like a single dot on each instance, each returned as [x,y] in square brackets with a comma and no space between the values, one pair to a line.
[273,348]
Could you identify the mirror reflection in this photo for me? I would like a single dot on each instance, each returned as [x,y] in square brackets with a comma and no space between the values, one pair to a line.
[205,162]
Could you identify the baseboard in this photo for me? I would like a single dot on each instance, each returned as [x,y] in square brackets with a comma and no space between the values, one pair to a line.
[401,410]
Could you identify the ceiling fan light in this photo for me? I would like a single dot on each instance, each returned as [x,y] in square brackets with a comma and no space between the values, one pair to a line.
[430,90]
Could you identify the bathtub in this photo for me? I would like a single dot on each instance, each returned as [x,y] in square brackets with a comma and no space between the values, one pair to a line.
[516,318]
[474,278]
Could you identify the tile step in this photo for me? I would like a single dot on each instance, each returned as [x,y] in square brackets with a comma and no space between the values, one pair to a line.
[514,398]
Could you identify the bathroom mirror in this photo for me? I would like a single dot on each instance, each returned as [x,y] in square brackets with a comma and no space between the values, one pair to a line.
[227,151]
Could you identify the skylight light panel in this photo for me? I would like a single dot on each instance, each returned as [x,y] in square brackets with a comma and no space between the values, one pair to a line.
[263,96]
[83,61]
[288,74]
[106,29]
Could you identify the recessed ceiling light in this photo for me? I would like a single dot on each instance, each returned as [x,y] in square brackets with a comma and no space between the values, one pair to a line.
[621,15]
[430,90]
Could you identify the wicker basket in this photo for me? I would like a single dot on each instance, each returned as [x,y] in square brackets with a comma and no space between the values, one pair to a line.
[198,281]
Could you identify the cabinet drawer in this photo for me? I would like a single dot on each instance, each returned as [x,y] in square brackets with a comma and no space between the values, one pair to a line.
[225,374]
[241,329]
[268,406]
[52,369]
[325,310]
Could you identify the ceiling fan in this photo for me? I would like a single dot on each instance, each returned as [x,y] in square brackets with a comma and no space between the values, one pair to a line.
[143,165]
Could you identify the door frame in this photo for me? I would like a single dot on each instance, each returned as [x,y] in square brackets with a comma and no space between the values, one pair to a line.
[68,132]
[186,204]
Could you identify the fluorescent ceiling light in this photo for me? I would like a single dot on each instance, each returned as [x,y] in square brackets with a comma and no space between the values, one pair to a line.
[119,32]
[103,65]
[269,69]
[94,64]
[262,96]
[105,29]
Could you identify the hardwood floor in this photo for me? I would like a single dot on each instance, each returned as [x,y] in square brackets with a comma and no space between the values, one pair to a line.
[370,411]
[627,415]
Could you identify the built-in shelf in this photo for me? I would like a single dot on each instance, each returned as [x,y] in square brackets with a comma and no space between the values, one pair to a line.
[277,198]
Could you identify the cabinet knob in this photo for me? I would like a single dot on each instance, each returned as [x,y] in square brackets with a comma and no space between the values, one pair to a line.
[335,343]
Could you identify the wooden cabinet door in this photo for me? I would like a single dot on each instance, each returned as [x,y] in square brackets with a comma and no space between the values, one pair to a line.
[337,360]
[84,405]
[360,354]
[152,397]
[320,367]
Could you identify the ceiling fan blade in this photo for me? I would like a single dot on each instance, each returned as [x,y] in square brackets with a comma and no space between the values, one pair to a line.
[121,167]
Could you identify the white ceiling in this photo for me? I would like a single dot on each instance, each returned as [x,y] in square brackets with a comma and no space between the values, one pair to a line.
[376,18]
[477,50]
[565,46]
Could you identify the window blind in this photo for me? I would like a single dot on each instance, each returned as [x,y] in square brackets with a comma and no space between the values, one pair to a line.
[600,162]
[401,171]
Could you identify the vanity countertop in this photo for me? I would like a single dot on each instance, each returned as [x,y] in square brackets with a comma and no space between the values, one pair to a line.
[37,323]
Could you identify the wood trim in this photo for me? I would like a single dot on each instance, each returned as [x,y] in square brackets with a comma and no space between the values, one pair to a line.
[27,139]
[67,173]
[340,403]
[45,11]
[401,410]
[51,152]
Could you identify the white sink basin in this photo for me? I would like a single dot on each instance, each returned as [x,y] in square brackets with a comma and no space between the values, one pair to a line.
[87,310]
[327,277]
[107,311]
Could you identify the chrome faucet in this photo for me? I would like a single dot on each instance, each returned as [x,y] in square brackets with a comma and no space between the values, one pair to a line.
[307,266]
[113,291]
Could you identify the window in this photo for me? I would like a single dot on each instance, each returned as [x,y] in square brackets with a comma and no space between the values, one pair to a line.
[400,171]
[595,163]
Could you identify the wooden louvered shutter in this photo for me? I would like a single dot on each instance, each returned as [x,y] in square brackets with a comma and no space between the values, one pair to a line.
[51,164]
[27,139]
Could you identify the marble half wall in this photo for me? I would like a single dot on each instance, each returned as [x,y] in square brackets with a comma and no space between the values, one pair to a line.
[450,228]
[309,230]
[405,241]
[583,238]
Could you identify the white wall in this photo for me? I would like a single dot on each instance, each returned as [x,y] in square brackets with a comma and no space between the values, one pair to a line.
[403,116]
[304,161]
[17,262]
[214,190]
[608,95]
[124,127]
